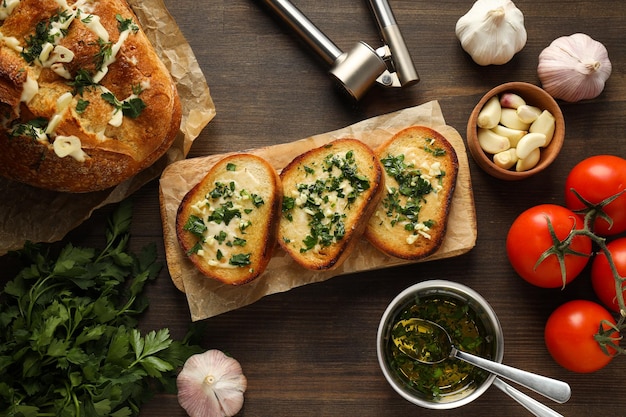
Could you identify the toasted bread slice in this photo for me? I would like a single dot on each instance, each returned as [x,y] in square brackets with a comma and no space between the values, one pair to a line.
[227,223]
[329,193]
[421,168]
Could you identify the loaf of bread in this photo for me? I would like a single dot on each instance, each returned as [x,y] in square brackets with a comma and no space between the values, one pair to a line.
[421,169]
[227,223]
[329,193]
[86,102]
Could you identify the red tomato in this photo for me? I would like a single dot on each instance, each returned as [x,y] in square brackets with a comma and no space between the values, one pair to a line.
[601,276]
[569,336]
[596,179]
[529,238]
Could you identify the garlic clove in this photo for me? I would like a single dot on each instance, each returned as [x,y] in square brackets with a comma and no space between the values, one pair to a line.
[529,143]
[489,115]
[509,118]
[491,142]
[574,68]
[211,384]
[545,124]
[506,159]
[528,114]
[514,135]
[529,162]
[511,100]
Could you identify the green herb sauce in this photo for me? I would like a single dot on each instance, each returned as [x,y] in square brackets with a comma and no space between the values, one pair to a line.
[452,376]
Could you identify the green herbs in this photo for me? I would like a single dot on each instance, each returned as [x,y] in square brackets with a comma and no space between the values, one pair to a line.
[34,129]
[337,185]
[105,51]
[68,339]
[402,203]
[223,223]
[46,31]
[131,107]
[468,334]
[126,24]
[81,81]
[81,105]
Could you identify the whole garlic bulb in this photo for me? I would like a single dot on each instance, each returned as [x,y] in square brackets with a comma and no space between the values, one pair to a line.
[574,68]
[492,31]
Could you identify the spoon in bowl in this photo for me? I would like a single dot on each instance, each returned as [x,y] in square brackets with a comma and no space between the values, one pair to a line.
[429,343]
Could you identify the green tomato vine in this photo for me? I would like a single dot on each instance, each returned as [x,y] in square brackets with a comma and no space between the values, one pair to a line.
[609,334]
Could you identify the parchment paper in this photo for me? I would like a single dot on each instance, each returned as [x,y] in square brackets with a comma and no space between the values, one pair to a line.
[32,214]
[207,297]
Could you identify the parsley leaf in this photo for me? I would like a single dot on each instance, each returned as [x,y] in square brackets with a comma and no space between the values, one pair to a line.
[69,345]
[131,107]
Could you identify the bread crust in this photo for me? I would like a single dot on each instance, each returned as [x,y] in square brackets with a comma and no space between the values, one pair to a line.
[256,223]
[111,153]
[416,229]
[323,244]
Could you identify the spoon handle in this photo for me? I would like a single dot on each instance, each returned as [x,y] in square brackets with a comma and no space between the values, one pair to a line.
[529,403]
[553,389]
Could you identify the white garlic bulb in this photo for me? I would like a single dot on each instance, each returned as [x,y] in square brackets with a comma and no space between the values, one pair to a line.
[574,68]
[492,31]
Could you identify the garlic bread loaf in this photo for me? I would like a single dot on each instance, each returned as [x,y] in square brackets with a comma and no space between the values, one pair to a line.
[421,169]
[86,102]
[227,223]
[329,193]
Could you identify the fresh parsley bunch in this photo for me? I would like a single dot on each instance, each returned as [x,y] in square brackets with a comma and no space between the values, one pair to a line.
[69,345]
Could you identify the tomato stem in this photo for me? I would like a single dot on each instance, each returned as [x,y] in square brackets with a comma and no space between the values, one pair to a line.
[606,336]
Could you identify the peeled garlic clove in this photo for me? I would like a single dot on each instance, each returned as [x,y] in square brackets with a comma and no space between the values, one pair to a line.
[529,143]
[509,118]
[511,100]
[491,142]
[211,384]
[528,114]
[506,159]
[529,162]
[489,115]
[69,146]
[574,68]
[514,135]
[546,124]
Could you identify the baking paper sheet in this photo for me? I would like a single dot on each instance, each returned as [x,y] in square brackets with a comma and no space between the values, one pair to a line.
[207,297]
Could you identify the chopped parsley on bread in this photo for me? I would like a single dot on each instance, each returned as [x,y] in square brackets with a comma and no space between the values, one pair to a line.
[420,170]
[227,223]
[329,193]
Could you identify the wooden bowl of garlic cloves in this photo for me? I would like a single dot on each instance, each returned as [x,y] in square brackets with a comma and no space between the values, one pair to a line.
[515,131]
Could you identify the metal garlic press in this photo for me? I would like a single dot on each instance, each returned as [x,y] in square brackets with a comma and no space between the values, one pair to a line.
[363,66]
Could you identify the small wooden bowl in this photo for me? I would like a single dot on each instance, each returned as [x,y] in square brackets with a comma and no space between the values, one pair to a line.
[534,96]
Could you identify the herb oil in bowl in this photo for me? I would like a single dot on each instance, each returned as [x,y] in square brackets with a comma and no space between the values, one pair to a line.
[473,327]
[451,376]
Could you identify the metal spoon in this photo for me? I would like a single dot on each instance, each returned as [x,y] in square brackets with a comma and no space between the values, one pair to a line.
[430,343]
[529,403]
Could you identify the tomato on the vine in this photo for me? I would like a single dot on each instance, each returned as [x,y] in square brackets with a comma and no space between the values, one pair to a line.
[529,238]
[595,179]
[602,277]
[569,336]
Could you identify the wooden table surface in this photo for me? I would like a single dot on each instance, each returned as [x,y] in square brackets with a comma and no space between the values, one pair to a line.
[311,351]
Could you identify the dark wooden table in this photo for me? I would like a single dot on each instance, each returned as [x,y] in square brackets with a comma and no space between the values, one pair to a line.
[311,351]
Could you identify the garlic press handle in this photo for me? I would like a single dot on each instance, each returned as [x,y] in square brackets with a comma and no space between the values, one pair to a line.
[390,32]
[307,31]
